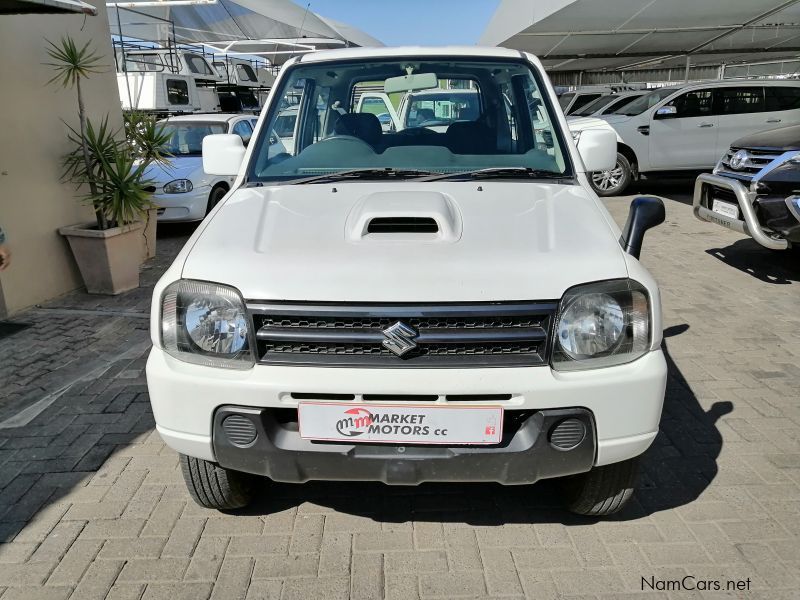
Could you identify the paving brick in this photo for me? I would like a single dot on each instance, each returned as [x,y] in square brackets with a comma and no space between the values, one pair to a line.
[182,591]
[132,549]
[428,561]
[366,580]
[38,593]
[452,585]
[97,580]
[293,565]
[330,588]
[258,545]
[206,559]
[148,570]
[233,579]
[264,590]
[71,568]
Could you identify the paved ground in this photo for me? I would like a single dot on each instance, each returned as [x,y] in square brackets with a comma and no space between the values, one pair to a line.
[92,504]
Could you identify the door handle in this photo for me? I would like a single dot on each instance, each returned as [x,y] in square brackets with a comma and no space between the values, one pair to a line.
[644,129]
[773,120]
[706,125]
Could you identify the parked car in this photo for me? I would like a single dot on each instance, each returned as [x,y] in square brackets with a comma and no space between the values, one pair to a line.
[183,191]
[686,128]
[755,189]
[607,104]
[411,306]
[571,102]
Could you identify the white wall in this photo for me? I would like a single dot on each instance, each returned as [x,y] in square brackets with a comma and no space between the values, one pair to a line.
[33,201]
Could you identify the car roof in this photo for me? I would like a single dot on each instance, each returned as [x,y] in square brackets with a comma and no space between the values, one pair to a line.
[210,117]
[419,52]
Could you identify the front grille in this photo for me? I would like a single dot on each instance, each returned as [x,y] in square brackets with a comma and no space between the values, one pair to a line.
[756,160]
[442,335]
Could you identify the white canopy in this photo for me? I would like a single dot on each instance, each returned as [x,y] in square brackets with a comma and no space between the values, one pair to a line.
[592,35]
[275,29]
[18,7]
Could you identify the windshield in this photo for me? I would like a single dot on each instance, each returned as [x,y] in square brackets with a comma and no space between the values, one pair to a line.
[594,106]
[441,108]
[502,121]
[642,103]
[565,99]
[186,138]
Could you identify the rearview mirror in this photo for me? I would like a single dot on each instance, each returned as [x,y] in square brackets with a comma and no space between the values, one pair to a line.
[666,112]
[410,83]
[223,154]
[645,213]
[598,149]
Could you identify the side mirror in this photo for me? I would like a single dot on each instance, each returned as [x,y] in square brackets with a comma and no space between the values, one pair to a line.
[223,154]
[666,112]
[598,149]
[645,213]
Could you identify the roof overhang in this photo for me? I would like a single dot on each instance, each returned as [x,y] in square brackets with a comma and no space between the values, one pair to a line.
[24,7]
[592,35]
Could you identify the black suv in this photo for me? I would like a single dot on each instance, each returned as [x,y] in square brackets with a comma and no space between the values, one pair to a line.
[755,189]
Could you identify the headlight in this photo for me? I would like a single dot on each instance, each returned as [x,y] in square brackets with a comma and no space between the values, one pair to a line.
[206,324]
[576,136]
[179,186]
[602,324]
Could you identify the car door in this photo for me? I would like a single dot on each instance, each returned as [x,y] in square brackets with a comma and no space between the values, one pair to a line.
[682,133]
[740,111]
[781,105]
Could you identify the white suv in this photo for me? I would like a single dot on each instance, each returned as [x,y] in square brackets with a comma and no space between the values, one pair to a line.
[687,128]
[411,306]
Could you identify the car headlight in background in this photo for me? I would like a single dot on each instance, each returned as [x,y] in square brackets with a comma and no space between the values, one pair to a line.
[602,324]
[206,324]
[179,186]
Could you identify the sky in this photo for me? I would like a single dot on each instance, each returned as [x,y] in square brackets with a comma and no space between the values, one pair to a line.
[412,22]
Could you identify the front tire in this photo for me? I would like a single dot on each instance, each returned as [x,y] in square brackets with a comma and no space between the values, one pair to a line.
[212,486]
[603,490]
[217,194]
[614,181]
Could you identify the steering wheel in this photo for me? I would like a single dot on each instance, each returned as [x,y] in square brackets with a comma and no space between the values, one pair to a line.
[347,139]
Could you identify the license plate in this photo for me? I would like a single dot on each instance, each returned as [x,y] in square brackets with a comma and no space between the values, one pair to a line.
[400,423]
[725,209]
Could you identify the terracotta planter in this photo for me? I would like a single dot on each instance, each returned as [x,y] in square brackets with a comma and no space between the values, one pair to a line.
[108,260]
[149,234]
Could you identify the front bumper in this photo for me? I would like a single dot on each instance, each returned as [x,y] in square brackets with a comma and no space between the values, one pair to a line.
[625,400]
[190,206]
[748,225]
[525,454]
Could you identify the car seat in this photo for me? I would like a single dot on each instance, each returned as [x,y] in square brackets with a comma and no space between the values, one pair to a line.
[364,126]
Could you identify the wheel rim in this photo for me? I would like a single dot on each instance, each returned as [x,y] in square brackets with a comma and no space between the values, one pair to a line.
[608,180]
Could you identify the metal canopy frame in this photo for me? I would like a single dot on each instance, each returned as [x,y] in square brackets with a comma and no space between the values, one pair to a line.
[619,35]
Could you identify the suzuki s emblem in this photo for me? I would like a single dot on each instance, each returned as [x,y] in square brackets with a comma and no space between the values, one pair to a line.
[400,338]
[739,159]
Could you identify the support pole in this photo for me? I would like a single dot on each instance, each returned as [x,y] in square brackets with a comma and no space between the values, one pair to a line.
[688,64]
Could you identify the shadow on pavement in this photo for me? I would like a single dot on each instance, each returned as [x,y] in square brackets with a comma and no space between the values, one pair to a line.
[746,255]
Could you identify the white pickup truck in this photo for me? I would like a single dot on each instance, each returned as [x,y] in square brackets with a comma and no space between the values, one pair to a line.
[411,306]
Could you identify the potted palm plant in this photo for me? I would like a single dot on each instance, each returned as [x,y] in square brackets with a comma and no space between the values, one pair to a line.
[112,180]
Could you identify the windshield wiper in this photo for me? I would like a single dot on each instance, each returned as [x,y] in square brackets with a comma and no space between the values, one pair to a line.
[382,173]
[499,173]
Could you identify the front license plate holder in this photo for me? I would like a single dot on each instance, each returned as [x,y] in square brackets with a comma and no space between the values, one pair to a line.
[726,209]
[406,424]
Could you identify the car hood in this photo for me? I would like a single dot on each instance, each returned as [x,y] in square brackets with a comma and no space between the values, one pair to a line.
[496,241]
[784,139]
[184,167]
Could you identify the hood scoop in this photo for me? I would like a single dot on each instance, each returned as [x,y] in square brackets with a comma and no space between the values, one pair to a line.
[403,225]
[404,216]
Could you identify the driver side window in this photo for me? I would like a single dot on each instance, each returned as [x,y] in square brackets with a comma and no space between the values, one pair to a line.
[696,103]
